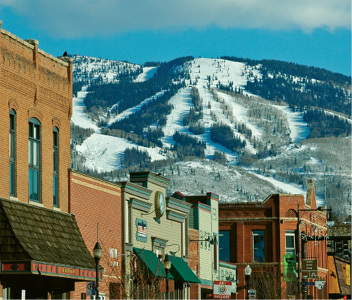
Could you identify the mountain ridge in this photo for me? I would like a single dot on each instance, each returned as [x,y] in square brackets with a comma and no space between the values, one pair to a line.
[200,95]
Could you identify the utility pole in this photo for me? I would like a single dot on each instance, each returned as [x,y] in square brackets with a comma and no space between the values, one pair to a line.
[298,253]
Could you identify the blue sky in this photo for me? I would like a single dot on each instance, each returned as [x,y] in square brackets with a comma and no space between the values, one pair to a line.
[310,32]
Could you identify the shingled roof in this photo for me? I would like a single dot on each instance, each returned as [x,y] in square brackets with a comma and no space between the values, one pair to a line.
[41,234]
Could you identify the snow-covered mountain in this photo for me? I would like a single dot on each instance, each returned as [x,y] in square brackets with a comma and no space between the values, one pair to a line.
[176,120]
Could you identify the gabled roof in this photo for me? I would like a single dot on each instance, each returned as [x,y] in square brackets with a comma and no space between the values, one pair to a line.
[29,232]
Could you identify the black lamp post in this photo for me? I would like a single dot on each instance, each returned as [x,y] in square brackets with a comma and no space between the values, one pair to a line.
[167,267]
[248,273]
[303,238]
[97,253]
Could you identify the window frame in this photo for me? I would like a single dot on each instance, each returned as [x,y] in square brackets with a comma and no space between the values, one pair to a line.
[290,233]
[34,159]
[12,153]
[221,244]
[258,233]
[56,167]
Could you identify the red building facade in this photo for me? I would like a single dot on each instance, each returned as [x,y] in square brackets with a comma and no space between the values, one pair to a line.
[96,205]
[259,234]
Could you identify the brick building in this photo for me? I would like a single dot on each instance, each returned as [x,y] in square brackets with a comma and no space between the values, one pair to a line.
[260,234]
[98,209]
[138,226]
[42,251]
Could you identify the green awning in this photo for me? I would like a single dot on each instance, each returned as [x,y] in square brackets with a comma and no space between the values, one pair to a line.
[153,264]
[181,271]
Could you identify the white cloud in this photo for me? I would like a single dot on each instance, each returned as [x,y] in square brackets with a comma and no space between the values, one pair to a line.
[76,18]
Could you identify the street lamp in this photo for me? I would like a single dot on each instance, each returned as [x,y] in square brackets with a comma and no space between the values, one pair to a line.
[303,238]
[97,253]
[167,267]
[248,273]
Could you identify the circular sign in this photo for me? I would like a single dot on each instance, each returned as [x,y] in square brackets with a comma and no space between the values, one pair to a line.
[159,204]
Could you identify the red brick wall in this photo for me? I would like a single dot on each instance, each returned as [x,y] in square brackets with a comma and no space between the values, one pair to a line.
[276,215]
[194,261]
[38,85]
[95,201]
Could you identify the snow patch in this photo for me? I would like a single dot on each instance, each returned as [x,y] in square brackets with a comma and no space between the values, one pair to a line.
[105,153]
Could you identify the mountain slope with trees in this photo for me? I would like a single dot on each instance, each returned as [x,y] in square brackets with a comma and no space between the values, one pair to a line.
[232,113]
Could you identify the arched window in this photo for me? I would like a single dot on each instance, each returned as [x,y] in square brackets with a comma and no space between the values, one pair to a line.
[56,167]
[12,152]
[34,144]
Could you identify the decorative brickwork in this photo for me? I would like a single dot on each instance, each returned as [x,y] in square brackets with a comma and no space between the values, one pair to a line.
[35,84]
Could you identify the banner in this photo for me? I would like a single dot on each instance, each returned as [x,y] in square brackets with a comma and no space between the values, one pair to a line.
[289,267]
[222,289]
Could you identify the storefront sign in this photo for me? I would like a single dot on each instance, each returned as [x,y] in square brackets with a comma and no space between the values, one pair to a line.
[63,271]
[68,271]
[222,289]
[228,273]
[309,268]
[141,230]
[15,267]
[49,269]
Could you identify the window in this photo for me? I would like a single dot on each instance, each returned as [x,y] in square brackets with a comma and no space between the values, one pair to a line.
[34,159]
[258,245]
[159,252]
[224,245]
[158,246]
[12,153]
[56,167]
[290,241]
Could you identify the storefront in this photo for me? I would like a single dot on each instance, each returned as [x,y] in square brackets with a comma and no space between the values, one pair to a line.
[156,229]
[42,252]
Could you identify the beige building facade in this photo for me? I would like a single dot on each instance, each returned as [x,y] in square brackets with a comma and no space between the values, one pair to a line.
[155,226]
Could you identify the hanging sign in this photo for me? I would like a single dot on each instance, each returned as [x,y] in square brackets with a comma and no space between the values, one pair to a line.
[309,268]
[222,289]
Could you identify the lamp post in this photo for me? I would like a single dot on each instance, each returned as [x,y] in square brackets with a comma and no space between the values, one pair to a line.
[248,273]
[97,253]
[303,238]
[167,267]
